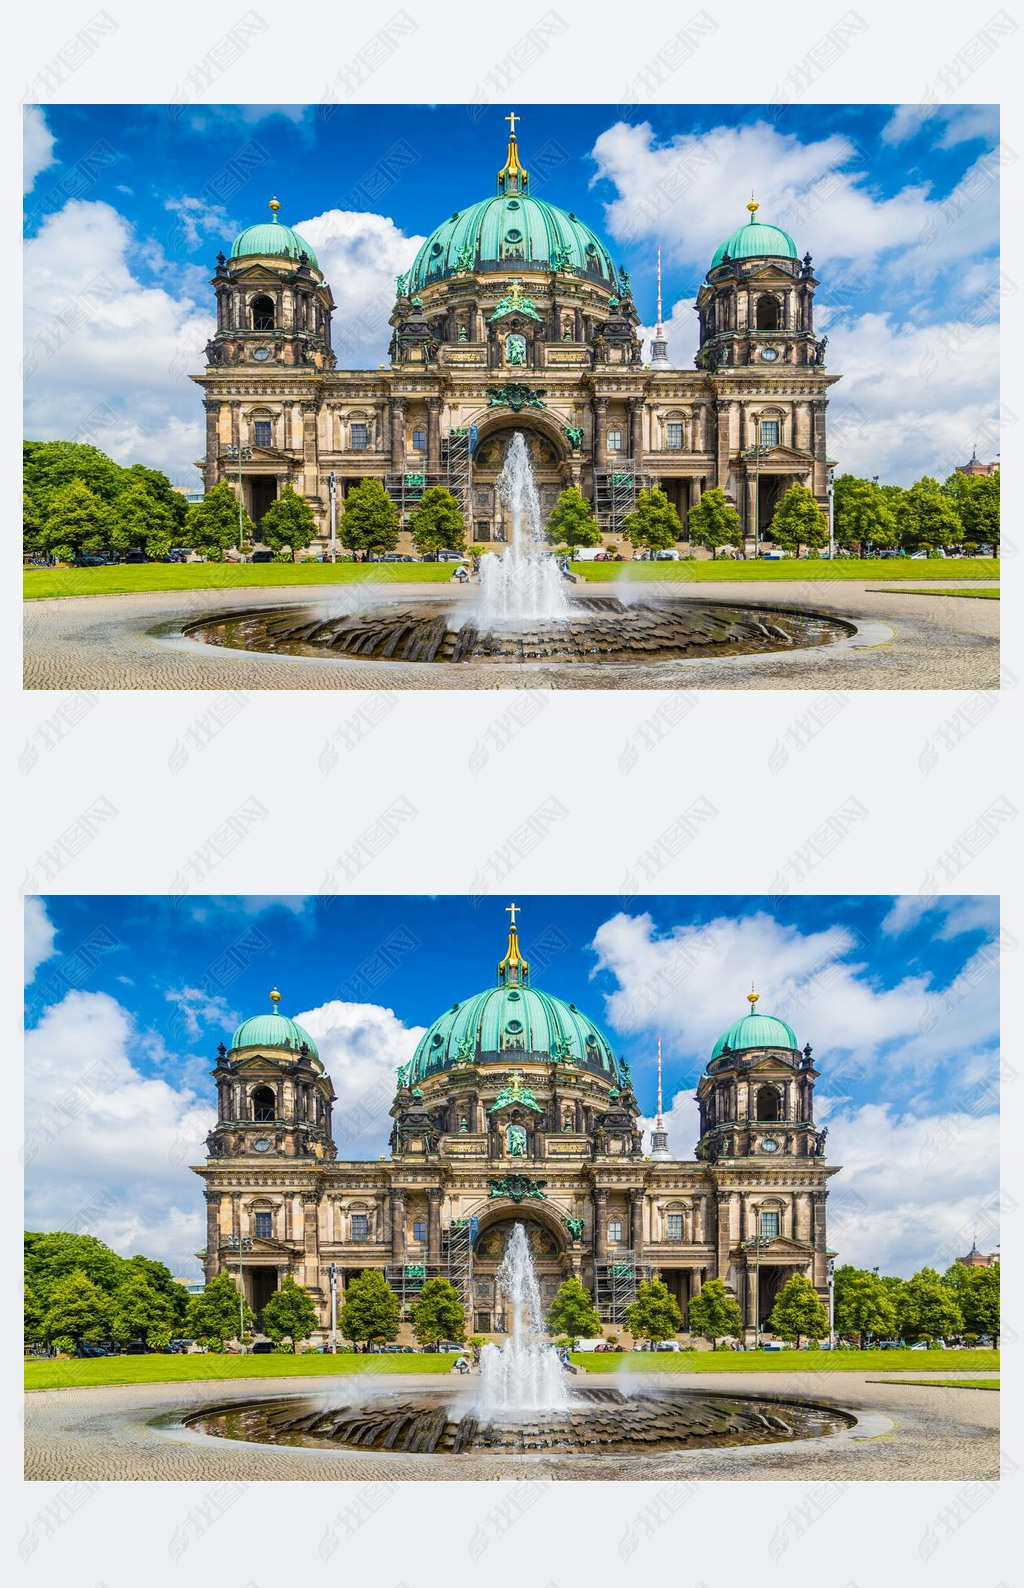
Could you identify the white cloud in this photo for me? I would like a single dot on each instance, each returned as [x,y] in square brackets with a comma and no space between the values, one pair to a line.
[108,1149]
[967,914]
[360,255]
[955,123]
[195,1009]
[196,220]
[40,936]
[107,357]
[361,1045]
[38,145]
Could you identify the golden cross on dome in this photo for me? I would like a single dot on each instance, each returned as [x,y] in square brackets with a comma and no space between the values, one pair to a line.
[510,909]
[512,118]
[516,1083]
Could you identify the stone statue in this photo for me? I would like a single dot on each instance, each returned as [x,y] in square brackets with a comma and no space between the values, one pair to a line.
[561,256]
[575,1228]
[515,349]
[402,285]
[574,436]
[403,1074]
[515,1141]
[464,257]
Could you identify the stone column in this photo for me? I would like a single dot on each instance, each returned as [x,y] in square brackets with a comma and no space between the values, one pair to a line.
[724,1242]
[434,1225]
[819,1267]
[433,434]
[397,429]
[636,1224]
[636,427]
[310,471]
[212,1263]
[600,406]
[750,513]
[310,1241]
[398,1228]
[600,1195]
[212,406]
[382,440]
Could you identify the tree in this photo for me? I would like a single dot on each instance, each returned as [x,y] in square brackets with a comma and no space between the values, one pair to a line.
[213,522]
[713,1313]
[654,522]
[139,1312]
[572,522]
[369,522]
[78,1310]
[141,521]
[48,466]
[572,1312]
[798,1311]
[214,1315]
[927,1306]
[289,521]
[437,524]
[655,1314]
[977,1294]
[77,518]
[798,520]
[159,1278]
[33,1317]
[976,499]
[290,1314]
[714,522]
[438,1313]
[371,1311]
[927,517]
[863,515]
[31,525]
[863,1304]
[159,487]
[54,1256]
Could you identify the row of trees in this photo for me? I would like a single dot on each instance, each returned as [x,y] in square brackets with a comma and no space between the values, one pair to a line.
[964,1301]
[77,1289]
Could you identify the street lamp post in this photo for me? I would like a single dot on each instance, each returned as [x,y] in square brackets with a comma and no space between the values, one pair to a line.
[756,1244]
[832,1303]
[831,515]
[239,454]
[756,453]
[240,1244]
[334,1296]
[332,488]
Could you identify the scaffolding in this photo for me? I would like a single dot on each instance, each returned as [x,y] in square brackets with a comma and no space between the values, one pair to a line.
[455,474]
[408,1279]
[616,1284]
[615,494]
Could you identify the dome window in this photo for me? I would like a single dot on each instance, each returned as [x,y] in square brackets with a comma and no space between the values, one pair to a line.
[263,1105]
[591,249]
[513,204]
[515,1026]
[513,997]
[513,236]
[436,1039]
[262,310]
[436,248]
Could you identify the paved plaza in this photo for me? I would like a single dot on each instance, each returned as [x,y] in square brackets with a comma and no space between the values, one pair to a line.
[131,1432]
[130,642]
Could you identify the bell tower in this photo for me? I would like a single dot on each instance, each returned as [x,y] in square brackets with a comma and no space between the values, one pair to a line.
[756,305]
[274,1096]
[756,1097]
[273,305]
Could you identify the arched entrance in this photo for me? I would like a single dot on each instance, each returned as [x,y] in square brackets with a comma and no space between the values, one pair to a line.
[547,1245]
[491,525]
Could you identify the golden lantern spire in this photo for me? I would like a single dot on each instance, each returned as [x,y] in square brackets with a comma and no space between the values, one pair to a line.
[753,207]
[273,206]
[512,178]
[513,970]
[275,999]
[752,997]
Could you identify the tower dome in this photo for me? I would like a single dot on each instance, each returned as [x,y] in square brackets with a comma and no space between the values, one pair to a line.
[273,1030]
[755,1031]
[756,240]
[271,237]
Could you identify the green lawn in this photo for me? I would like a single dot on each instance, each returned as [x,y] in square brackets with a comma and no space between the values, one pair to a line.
[74,1372]
[780,1361]
[943,1383]
[791,570]
[224,576]
[980,592]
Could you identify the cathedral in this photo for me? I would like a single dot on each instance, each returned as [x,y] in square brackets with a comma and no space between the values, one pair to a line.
[512,316]
[515,1107]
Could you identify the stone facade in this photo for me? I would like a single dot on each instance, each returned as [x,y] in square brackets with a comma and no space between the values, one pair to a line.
[483,346]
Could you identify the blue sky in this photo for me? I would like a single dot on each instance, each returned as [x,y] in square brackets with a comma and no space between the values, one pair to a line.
[127,998]
[127,207]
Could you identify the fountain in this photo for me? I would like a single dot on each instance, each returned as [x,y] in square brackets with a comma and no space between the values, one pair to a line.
[524,583]
[524,1374]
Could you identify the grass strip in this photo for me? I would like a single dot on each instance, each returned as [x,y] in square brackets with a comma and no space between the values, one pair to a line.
[78,1373]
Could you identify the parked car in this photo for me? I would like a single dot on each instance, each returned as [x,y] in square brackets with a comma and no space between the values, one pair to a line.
[177,554]
[96,559]
[666,556]
[85,1348]
[135,556]
[263,555]
[136,1348]
[263,1348]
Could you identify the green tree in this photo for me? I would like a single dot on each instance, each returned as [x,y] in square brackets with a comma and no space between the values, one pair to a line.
[139,1312]
[976,499]
[48,466]
[927,1306]
[572,522]
[76,517]
[370,1313]
[977,1294]
[713,1313]
[863,515]
[369,522]
[438,1313]
[798,520]
[863,1304]
[572,1312]
[290,1314]
[654,1315]
[654,522]
[714,522]
[141,521]
[290,521]
[53,1256]
[31,525]
[159,1278]
[33,1317]
[159,487]
[213,522]
[437,524]
[77,1310]
[798,1311]
[214,1314]
[927,517]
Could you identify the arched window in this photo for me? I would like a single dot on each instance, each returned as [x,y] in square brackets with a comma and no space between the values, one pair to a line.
[767,314]
[264,1105]
[262,310]
[767,1103]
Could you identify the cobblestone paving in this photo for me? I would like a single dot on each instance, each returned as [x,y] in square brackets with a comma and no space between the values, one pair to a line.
[105,642]
[106,1433]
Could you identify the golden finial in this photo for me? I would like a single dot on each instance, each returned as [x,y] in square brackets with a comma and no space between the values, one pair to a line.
[273,207]
[752,998]
[752,206]
[275,999]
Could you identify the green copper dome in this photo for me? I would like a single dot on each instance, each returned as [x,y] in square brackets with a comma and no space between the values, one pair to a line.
[513,1021]
[755,1031]
[273,1030]
[756,241]
[271,237]
[511,229]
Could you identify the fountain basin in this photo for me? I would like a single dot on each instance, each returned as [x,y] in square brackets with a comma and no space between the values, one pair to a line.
[596,630]
[596,1421]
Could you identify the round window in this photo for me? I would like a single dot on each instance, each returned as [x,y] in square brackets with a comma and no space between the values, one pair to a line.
[436,248]
[591,248]
[513,204]
[436,1039]
[513,236]
[513,997]
[515,1026]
